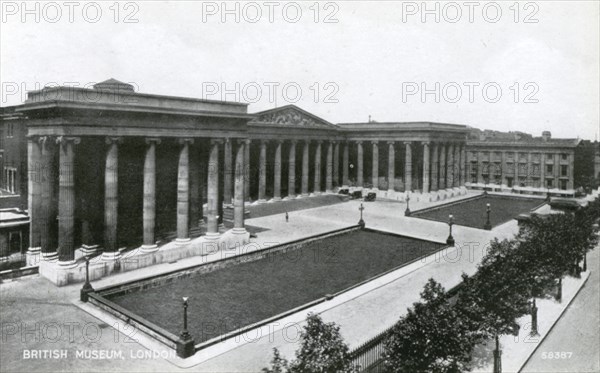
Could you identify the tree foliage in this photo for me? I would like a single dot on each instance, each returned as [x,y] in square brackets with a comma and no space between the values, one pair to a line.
[432,337]
[322,350]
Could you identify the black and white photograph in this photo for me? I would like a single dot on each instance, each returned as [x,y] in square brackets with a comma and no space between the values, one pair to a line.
[309,186]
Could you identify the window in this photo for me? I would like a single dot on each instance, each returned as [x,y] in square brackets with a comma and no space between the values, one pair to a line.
[9,130]
[549,183]
[563,184]
[564,156]
[549,169]
[564,170]
[549,157]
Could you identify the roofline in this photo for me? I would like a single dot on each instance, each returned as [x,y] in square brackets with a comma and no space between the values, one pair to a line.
[131,108]
[127,93]
[417,122]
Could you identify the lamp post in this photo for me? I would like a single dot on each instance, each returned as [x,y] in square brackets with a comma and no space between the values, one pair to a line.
[87,287]
[488,223]
[497,357]
[407,211]
[534,320]
[185,343]
[547,193]
[361,222]
[450,239]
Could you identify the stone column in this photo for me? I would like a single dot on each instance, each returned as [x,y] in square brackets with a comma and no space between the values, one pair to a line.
[425,167]
[503,169]
[292,170]
[345,161]
[442,167]
[305,168]
[238,202]
[247,172]
[408,167]
[329,169]
[542,170]
[375,165]
[391,166]
[111,200]
[66,200]
[359,164]
[435,166]
[277,172]
[480,168]
[317,188]
[262,172]
[228,172]
[149,213]
[336,164]
[183,191]
[456,173]
[463,165]
[557,171]
[48,209]
[529,176]
[34,198]
[212,224]
[450,167]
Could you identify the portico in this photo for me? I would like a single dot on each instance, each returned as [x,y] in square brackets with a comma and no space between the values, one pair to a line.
[126,173]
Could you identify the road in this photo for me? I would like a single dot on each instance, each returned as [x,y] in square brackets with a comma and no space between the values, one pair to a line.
[576,335]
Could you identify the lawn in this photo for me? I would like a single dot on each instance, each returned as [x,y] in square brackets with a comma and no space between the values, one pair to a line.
[243,294]
[472,213]
[273,208]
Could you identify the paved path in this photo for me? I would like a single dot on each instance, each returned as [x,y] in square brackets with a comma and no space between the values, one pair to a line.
[575,334]
[360,317]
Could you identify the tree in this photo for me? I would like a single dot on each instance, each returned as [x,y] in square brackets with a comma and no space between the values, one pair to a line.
[322,350]
[496,296]
[431,337]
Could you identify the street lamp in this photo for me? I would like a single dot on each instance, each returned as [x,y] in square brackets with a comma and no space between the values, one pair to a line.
[534,319]
[450,239]
[497,357]
[407,211]
[185,343]
[488,223]
[361,222]
[87,287]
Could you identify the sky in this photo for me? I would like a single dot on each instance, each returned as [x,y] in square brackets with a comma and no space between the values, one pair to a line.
[505,65]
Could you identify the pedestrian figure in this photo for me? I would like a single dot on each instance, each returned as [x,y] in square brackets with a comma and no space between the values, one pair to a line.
[287,217]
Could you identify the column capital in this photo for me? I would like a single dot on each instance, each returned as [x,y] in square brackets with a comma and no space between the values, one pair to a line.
[426,143]
[375,142]
[216,141]
[393,143]
[408,143]
[358,142]
[307,141]
[293,141]
[187,140]
[243,141]
[43,140]
[318,142]
[155,140]
[113,140]
[247,141]
[64,139]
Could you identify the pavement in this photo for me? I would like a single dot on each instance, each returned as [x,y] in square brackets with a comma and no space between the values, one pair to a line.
[36,315]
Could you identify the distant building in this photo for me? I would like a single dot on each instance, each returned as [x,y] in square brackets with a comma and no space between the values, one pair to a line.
[520,162]
[587,165]
[13,159]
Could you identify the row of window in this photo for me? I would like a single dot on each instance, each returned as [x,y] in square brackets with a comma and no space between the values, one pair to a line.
[535,183]
[510,156]
[497,169]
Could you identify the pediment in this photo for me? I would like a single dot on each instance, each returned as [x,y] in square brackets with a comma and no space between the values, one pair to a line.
[292,116]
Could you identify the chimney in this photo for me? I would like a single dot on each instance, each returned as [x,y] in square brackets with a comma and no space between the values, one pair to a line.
[546,135]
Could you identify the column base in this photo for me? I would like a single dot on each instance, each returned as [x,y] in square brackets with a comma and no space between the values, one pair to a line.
[182,240]
[87,250]
[32,257]
[3,259]
[149,248]
[290,197]
[221,228]
[239,231]
[276,199]
[261,201]
[212,236]
[67,264]
[111,255]
[50,257]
